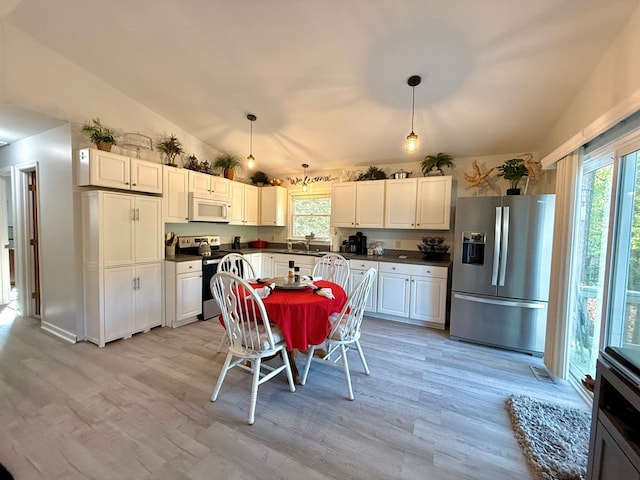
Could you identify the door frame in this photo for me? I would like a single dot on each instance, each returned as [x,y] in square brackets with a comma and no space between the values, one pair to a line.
[23,257]
[5,280]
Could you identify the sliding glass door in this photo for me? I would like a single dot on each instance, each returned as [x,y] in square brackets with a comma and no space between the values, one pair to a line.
[589,261]
[623,326]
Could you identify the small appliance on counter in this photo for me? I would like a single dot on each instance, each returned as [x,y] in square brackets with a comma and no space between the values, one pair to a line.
[357,244]
[236,243]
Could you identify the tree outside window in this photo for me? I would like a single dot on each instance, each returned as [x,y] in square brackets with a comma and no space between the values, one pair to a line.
[311,214]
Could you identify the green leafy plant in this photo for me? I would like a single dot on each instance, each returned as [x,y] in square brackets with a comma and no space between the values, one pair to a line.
[227,160]
[259,177]
[372,173]
[100,135]
[436,162]
[513,170]
[171,147]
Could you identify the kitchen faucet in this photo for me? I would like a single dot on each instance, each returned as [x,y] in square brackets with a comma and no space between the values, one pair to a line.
[306,243]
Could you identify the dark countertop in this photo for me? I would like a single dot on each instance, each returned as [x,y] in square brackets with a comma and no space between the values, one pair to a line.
[392,256]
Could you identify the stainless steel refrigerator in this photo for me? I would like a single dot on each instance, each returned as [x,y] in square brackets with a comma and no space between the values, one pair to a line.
[501,270]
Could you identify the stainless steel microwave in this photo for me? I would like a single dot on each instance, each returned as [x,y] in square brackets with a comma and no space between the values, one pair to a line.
[207,209]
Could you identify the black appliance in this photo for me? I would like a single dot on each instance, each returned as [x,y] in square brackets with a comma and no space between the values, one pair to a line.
[236,243]
[210,262]
[357,244]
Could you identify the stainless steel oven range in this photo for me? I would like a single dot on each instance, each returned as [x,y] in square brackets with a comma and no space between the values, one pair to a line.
[207,247]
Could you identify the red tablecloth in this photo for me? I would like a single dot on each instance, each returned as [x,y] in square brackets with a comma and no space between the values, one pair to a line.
[303,315]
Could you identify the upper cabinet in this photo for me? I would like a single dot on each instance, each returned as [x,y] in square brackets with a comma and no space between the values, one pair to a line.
[273,206]
[358,204]
[422,203]
[175,201]
[106,169]
[244,204]
[209,185]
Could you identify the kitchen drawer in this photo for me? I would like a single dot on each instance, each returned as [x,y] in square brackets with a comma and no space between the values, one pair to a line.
[411,269]
[186,267]
[362,264]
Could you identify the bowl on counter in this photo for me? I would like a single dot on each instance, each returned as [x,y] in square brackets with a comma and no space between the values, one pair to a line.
[258,244]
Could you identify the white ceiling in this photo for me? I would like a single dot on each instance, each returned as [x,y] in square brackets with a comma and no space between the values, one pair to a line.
[327,79]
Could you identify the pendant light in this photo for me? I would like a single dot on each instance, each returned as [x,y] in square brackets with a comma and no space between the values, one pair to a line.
[412,139]
[250,159]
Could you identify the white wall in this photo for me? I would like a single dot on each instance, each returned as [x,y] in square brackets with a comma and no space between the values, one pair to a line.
[615,78]
[60,266]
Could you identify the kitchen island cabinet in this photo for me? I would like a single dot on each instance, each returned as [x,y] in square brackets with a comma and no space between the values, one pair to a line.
[122,264]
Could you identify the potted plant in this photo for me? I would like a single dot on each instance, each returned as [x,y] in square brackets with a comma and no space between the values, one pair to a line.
[513,170]
[192,163]
[227,162]
[259,178]
[171,147]
[373,173]
[432,164]
[100,135]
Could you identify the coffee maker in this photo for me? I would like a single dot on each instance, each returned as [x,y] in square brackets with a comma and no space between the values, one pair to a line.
[357,244]
[236,243]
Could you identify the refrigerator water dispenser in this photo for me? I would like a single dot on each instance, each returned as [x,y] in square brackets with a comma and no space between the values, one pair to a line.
[473,244]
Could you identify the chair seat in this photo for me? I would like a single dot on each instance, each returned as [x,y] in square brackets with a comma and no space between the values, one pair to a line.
[342,332]
[258,339]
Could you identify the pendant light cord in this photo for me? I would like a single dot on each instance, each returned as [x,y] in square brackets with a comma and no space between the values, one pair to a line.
[413,103]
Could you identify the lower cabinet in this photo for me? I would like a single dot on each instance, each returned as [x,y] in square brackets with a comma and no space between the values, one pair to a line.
[183,292]
[255,259]
[415,293]
[131,302]
[358,269]
[281,264]
[267,264]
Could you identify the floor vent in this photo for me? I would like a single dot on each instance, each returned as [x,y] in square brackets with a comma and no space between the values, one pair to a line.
[542,374]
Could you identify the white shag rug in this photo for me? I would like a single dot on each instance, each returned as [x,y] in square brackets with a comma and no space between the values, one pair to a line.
[554,438]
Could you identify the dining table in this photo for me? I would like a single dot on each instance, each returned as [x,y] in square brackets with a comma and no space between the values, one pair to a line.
[302,314]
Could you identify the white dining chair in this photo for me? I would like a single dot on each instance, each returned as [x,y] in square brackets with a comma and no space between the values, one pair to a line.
[333,268]
[250,335]
[345,332]
[237,264]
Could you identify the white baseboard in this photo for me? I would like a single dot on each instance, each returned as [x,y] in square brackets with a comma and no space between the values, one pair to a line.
[59,332]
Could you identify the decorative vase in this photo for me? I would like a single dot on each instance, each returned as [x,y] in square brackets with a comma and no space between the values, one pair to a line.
[513,191]
[104,146]
[435,172]
[228,173]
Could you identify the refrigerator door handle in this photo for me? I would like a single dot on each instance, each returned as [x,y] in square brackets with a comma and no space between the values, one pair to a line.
[505,245]
[505,303]
[496,247]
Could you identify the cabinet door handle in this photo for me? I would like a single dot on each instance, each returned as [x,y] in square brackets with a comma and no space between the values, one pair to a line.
[126,183]
[133,214]
[137,214]
[134,184]
[138,282]
[134,283]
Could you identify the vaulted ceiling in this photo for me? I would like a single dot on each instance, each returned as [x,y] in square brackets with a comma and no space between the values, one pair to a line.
[327,80]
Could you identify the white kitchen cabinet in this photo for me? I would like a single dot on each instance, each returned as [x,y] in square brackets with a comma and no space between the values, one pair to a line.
[183,292]
[273,206]
[106,169]
[423,203]
[175,199]
[343,204]
[400,203]
[268,267]
[393,290]
[212,186]
[281,264]
[255,259]
[433,205]
[370,204]
[358,268]
[358,204]
[416,293]
[122,264]
[244,204]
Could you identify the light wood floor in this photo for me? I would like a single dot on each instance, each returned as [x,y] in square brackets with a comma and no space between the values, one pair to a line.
[140,408]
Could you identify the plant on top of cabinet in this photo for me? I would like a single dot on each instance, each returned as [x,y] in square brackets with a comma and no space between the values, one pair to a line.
[171,147]
[372,173]
[102,136]
[259,178]
[513,170]
[227,162]
[432,164]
